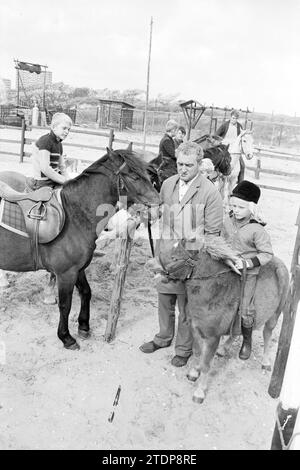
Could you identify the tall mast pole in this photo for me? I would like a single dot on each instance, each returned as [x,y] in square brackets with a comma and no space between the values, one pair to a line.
[147,92]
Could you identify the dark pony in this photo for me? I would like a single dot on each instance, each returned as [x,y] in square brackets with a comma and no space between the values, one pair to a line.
[213,295]
[89,200]
[216,152]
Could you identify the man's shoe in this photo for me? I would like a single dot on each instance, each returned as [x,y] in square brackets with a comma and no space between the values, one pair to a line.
[150,347]
[179,361]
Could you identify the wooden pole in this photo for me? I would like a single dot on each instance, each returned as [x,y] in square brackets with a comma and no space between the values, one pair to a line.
[111,138]
[258,165]
[295,443]
[44,90]
[189,123]
[288,321]
[125,246]
[289,402]
[148,79]
[22,139]
[18,87]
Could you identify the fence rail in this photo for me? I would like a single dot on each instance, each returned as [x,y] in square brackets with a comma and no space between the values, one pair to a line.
[262,152]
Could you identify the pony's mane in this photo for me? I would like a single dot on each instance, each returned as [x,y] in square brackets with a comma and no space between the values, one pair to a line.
[134,162]
[218,248]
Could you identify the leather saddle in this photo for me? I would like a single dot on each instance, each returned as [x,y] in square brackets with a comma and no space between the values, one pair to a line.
[43,214]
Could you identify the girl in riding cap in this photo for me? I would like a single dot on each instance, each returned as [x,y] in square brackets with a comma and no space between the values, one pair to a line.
[244,229]
[47,156]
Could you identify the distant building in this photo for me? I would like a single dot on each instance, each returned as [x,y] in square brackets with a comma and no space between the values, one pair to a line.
[115,113]
[7,84]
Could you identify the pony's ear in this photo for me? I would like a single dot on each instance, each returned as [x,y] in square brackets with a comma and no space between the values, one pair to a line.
[129,148]
[109,152]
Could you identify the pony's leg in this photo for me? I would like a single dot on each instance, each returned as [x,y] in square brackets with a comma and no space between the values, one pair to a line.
[195,362]
[209,348]
[225,347]
[267,335]
[49,292]
[3,279]
[85,296]
[66,283]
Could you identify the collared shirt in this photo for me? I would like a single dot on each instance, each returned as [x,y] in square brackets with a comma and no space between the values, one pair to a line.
[184,186]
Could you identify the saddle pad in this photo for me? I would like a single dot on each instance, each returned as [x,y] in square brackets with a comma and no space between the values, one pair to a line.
[11,218]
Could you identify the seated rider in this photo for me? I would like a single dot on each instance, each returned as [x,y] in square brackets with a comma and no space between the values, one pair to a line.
[244,229]
[180,136]
[47,156]
[166,153]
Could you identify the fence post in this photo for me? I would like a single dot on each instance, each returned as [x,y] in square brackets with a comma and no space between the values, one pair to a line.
[258,164]
[22,139]
[280,135]
[111,138]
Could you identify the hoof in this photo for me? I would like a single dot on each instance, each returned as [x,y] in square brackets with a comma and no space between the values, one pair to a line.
[4,285]
[49,300]
[73,347]
[192,378]
[197,399]
[265,367]
[221,353]
[83,334]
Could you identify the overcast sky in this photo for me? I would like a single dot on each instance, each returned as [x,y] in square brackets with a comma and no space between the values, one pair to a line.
[224,52]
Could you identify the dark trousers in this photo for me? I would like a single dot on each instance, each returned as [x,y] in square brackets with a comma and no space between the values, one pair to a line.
[166,316]
[248,309]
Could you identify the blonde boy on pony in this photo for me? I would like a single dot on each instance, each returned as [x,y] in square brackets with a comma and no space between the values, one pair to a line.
[47,156]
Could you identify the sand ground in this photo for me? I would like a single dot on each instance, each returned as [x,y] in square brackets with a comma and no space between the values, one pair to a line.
[51,398]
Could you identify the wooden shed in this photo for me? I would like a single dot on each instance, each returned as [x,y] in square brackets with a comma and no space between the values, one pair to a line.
[115,113]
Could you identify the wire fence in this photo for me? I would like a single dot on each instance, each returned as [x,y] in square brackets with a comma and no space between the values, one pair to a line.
[267,132]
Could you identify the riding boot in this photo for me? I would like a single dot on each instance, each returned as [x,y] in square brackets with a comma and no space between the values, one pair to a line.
[247,342]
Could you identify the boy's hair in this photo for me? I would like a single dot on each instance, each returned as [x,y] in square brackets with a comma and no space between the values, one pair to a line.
[171,124]
[235,113]
[60,117]
[188,148]
[182,129]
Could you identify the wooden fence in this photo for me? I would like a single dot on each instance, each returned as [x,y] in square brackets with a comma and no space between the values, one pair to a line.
[261,152]
[24,140]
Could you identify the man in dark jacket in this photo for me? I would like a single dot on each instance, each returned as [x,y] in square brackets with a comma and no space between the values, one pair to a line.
[227,131]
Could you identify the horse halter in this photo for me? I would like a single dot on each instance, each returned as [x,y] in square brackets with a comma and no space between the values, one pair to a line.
[121,183]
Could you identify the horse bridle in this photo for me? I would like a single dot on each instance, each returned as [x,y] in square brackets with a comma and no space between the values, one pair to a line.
[121,182]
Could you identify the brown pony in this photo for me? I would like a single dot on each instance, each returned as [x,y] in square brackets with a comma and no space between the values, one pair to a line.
[213,294]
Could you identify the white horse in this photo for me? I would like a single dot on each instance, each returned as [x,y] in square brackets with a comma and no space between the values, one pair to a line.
[243,146]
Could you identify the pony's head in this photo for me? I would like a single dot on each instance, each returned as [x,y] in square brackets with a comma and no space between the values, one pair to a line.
[247,147]
[220,157]
[133,179]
